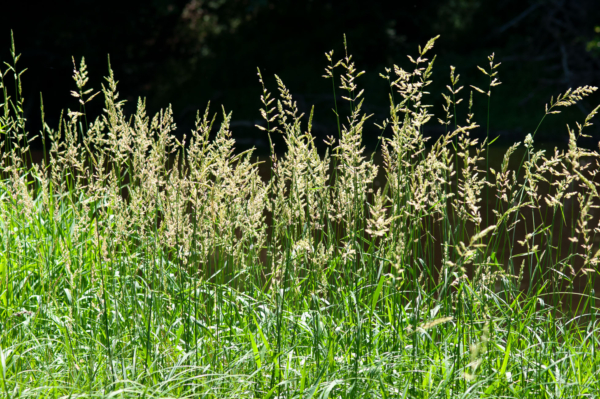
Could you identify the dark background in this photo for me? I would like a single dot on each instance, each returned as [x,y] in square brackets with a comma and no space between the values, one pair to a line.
[189,52]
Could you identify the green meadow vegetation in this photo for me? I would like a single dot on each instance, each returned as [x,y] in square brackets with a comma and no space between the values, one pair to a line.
[134,263]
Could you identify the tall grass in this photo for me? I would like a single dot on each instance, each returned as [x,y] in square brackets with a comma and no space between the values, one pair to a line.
[133,264]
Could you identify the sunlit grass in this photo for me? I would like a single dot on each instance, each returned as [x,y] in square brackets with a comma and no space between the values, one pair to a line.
[136,265]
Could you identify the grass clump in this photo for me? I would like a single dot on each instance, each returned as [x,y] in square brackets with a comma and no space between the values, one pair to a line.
[134,264]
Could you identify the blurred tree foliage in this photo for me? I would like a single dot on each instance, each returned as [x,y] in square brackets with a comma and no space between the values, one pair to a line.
[593,46]
[188,52]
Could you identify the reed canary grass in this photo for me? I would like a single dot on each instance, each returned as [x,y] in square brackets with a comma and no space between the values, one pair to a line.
[136,264]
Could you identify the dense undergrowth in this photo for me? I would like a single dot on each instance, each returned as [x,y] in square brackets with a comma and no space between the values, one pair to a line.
[133,264]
